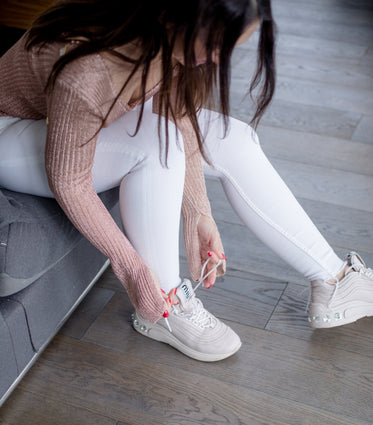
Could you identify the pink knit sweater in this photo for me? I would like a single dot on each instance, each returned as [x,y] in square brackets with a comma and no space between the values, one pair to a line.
[82,95]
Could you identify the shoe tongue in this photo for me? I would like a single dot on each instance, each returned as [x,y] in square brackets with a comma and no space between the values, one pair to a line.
[356,261]
[185,293]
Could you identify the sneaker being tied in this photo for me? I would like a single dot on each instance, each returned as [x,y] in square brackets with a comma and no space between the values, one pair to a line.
[345,301]
[195,332]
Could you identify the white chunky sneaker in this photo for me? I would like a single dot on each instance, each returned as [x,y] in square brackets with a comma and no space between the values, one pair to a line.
[344,301]
[194,331]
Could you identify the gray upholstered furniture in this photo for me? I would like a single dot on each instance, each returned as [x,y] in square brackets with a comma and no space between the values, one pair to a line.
[46,268]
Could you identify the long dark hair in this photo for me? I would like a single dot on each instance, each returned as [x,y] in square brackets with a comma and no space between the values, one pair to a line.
[156,25]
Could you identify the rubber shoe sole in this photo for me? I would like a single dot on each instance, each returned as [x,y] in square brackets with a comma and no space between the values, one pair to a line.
[332,319]
[353,301]
[161,334]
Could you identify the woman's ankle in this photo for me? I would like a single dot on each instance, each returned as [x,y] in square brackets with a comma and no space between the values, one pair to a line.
[339,276]
[342,274]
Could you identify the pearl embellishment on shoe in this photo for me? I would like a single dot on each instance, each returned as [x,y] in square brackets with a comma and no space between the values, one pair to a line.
[325,319]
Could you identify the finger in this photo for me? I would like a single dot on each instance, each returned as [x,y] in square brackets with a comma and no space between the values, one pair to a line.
[214,260]
[213,257]
[210,280]
[209,272]
[223,265]
[220,271]
[172,297]
[216,246]
[219,254]
[167,299]
[222,258]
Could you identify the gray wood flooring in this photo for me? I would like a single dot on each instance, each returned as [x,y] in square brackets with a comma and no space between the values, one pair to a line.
[318,133]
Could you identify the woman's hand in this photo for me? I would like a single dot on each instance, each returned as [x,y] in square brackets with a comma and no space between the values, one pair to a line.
[210,248]
[170,297]
[143,288]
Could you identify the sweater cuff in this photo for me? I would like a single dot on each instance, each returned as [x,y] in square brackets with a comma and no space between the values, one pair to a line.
[143,292]
[191,242]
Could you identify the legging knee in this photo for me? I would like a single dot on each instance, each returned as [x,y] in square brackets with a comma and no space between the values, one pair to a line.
[118,154]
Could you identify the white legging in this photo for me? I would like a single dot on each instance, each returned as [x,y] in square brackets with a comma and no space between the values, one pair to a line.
[151,195]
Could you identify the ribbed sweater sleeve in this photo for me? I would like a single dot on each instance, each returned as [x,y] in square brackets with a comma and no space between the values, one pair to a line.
[195,200]
[75,108]
[73,122]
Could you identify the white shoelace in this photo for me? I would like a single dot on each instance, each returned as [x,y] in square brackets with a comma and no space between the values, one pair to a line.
[202,277]
[199,315]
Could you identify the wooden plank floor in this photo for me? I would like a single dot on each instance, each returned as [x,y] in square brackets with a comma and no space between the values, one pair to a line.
[318,133]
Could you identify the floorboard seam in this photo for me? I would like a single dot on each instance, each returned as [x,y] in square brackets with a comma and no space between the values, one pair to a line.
[251,388]
[275,307]
[98,315]
[58,401]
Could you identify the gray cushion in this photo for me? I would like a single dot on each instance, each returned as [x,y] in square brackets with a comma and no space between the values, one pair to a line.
[46,257]
[48,300]
[14,316]
[8,365]
[35,235]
